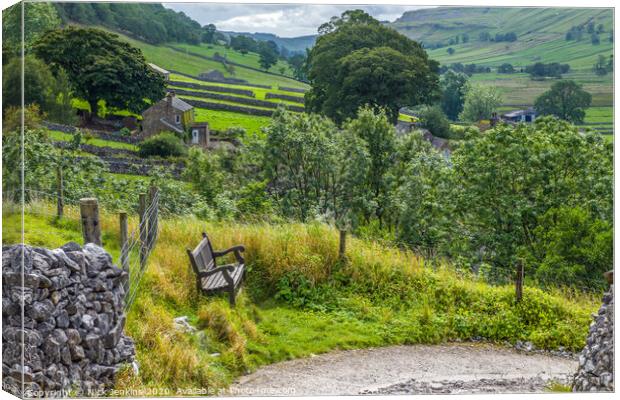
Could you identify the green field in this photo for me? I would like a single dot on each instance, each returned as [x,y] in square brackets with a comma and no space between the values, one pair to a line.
[222,120]
[168,58]
[541,34]
[259,93]
[249,59]
[519,89]
[66,137]
[540,38]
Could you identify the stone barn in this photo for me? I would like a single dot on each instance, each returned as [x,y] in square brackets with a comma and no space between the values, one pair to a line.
[172,114]
[528,115]
[168,114]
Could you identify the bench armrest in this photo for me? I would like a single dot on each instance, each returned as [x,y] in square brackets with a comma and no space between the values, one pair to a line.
[237,249]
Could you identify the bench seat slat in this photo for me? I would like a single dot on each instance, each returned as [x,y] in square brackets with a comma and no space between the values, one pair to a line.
[217,282]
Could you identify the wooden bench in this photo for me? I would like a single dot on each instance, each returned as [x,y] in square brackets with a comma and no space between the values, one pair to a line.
[210,278]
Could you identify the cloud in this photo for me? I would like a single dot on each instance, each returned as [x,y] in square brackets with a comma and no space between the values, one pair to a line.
[286,20]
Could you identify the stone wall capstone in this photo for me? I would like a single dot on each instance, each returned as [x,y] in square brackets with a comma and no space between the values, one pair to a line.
[72,329]
[596,361]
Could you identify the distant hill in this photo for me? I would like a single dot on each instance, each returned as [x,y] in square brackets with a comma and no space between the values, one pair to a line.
[295,44]
[152,23]
[540,34]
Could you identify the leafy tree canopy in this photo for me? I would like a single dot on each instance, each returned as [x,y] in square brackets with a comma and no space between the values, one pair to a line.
[375,129]
[509,177]
[566,100]
[480,103]
[38,18]
[453,89]
[152,23]
[268,54]
[51,93]
[358,61]
[100,66]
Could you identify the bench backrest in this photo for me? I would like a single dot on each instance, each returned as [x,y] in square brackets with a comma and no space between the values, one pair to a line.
[202,256]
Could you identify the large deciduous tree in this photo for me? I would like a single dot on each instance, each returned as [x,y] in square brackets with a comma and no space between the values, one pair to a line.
[100,66]
[50,93]
[510,177]
[374,128]
[357,61]
[566,100]
[480,103]
[422,195]
[268,54]
[453,89]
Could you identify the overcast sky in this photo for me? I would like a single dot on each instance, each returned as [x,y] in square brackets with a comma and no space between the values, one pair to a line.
[286,20]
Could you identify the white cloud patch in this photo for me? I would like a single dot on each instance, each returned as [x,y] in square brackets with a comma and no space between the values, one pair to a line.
[286,20]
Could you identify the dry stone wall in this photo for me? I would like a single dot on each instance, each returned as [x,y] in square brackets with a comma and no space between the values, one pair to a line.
[221,89]
[596,361]
[71,335]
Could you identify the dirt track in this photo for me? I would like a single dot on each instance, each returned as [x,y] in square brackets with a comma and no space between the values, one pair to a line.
[450,368]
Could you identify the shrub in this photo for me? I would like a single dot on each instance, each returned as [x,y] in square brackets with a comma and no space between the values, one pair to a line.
[125,131]
[460,132]
[435,121]
[13,118]
[165,144]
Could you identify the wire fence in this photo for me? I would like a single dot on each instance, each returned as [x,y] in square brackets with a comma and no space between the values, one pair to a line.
[67,218]
[140,242]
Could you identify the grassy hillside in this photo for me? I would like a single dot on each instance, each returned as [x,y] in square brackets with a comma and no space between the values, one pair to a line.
[540,38]
[189,64]
[299,299]
[541,34]
[170,59]
[250,59]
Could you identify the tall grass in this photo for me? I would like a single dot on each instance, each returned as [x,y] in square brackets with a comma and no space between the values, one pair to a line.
[301,299]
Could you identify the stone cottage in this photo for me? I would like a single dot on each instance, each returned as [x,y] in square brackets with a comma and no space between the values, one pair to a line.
[172,114]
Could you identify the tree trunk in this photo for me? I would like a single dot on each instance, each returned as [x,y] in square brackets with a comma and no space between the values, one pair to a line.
[94,108]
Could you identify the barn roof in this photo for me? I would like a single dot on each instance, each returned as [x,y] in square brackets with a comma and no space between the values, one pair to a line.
[180,104]
[518,113]
[159,69]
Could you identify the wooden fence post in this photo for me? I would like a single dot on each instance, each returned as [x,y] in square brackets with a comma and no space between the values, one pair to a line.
[91,230]
[153,223]
[342,249]
[519,282]
[59,188]
[124,249]
[143,229]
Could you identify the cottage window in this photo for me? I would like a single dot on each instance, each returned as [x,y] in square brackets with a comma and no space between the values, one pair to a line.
[177,118]
[195,136]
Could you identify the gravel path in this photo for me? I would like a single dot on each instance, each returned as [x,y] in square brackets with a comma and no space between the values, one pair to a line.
[447,368]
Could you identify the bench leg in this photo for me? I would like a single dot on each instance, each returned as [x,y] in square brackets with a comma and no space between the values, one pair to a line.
[231,296]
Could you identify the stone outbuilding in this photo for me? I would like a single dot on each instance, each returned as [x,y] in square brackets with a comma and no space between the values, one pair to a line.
[199,135]
[527,115]
[171,114]
[161,71]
